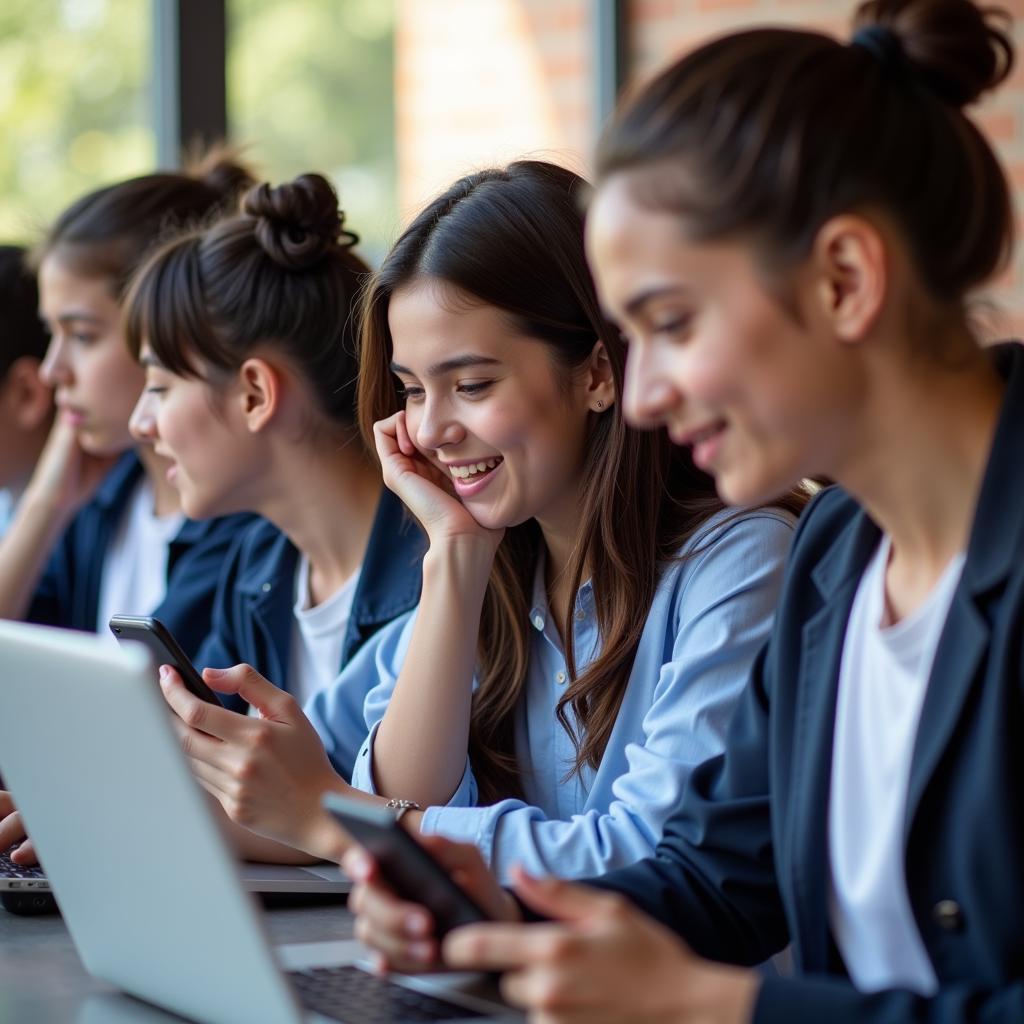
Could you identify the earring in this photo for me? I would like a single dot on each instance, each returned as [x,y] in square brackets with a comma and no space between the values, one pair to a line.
[600,405]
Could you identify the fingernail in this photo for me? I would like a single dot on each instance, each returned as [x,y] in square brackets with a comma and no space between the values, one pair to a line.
[416,924]
[164,673]
[215,673]
[356,865]
[422,952]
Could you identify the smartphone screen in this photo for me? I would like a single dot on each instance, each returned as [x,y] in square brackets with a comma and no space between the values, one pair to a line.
[155,636]
[408,868]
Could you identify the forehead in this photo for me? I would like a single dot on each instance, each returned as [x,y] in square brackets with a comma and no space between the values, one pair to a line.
[62,290]
[431,320]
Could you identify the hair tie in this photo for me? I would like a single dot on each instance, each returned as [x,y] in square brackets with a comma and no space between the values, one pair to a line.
[883,44]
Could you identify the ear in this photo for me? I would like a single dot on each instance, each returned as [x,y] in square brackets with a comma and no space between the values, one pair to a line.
[32,400]
[600,382]
[260,387]
[851,262]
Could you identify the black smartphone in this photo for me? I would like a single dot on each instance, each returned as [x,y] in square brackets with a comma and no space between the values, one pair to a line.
[407,867]
[164,648]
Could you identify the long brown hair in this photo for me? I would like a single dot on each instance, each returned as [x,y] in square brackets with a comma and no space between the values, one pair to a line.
[513,239]
[768,133]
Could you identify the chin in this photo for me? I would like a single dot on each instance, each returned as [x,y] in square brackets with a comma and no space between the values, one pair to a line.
[102,445]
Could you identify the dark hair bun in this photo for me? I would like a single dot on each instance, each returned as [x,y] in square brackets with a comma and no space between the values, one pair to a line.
[221,170]
[958,50]
[299,223]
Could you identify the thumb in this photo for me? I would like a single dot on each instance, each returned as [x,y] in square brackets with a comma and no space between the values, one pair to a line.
[244,680]
[555,899]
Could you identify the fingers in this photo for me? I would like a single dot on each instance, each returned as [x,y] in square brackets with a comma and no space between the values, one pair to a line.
[505,947]
[25,855]
[196,713]
[270,700]
[405,444]
[11,829]
[562,901]
[6,803]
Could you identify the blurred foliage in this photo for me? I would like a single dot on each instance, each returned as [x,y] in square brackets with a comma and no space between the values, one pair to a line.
[310,88]
[74,104]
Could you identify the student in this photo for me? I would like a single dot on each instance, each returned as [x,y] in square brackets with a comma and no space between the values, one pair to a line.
[796,302]
[26,403]
[99,529]
[589,611]
[245,329]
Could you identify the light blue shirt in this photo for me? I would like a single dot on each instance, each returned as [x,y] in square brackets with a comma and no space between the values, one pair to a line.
[711,613]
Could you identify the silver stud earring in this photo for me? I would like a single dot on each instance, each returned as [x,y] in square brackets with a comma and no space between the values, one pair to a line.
[600,405]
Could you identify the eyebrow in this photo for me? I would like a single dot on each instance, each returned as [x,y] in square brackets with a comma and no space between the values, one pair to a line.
[67,318]
[636,303]
[151,360]
[447,365]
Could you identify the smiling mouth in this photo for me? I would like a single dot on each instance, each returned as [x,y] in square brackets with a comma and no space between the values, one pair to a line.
[472,472]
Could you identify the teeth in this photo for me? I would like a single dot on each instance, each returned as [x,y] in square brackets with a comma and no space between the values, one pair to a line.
[464,472]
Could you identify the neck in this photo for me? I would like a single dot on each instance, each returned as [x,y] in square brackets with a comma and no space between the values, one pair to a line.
[324,499]
[917,461]
[165,498]
[561,533]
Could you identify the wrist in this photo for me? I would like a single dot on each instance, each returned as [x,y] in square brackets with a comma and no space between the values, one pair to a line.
[463,560]
[723,995]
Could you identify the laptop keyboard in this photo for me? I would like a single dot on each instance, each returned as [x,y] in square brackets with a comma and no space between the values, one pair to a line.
[8,869]
[357,997]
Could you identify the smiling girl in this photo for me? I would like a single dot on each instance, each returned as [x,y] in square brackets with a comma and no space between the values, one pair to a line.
[818,282]
[589,611]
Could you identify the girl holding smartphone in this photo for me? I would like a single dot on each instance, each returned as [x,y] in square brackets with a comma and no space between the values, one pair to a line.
[797,303]
[589,610]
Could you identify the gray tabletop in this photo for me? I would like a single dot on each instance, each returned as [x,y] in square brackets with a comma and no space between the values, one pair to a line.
[42,981]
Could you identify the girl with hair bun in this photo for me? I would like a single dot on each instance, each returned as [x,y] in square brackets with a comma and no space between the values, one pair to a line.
[246,331]
[99,529]
[588,609]
[789,231]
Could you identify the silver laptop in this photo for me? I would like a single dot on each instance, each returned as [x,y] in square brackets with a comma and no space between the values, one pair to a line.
[146,881]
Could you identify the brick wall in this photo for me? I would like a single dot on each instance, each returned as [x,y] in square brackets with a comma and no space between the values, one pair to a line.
[486,81]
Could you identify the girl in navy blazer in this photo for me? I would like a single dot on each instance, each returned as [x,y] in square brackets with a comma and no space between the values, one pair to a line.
[787,229]
[99,529]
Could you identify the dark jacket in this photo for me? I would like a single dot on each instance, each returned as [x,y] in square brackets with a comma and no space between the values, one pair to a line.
[743,866]
[252,619]
[68,593]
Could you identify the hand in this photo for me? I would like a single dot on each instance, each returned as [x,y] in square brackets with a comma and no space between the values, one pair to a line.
[423,487]
[402,933]
[600,960]
[268,773]
[66,476]
[13,831]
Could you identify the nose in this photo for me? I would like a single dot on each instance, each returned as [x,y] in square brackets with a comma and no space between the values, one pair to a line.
[54,369]
[431,425]
[649,395]
[142,425]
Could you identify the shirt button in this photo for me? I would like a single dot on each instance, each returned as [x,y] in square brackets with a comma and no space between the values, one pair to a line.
[538,621]
[580,614]
[948,915]
[266,587]
[560,677]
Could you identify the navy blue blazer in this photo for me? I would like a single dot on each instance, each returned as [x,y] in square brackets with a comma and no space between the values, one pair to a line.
[743,866]
[252,618]
[69,591]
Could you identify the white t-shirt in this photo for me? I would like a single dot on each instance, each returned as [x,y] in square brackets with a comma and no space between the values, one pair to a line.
[135,566]
[882,684]
[318,635]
